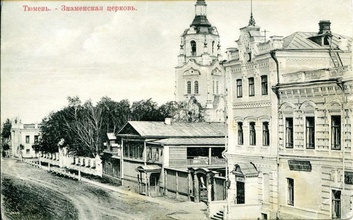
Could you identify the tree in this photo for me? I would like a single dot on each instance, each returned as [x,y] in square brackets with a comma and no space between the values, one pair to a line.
[146,110]
[54,128]
[79,126]
[86,126]
[169,109]
[115,114]
[6,146]
[6,129]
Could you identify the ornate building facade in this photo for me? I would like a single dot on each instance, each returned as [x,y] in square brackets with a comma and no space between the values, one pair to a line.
[289,150]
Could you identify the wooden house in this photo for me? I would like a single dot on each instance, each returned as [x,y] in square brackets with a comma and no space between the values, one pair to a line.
[180,159]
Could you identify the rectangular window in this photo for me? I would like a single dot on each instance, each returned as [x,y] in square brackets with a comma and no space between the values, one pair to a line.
[289,132]
[239,88]
[336,132]
[252,133]
[265,134]
[310,132]
[27,139]
[336,204]
[290,184]
[264,86]
[126,150]
[240,133]
[251,86]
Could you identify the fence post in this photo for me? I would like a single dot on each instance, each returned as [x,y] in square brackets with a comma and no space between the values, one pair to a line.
[99,166]
[177,184]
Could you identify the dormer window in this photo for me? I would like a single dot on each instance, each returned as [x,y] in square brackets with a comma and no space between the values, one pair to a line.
[193,48]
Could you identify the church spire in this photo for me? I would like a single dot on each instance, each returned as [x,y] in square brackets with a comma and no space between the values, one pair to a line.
[252,20]
[200,14]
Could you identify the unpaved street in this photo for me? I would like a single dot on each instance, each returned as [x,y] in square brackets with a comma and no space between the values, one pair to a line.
[93,202]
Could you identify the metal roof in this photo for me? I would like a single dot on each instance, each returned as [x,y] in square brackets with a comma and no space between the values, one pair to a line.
[149,169]
[111,136]
[150,129]
[247,169]
[300,40]
[192,141]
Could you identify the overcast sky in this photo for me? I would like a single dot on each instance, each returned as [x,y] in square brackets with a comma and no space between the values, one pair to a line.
[48,56]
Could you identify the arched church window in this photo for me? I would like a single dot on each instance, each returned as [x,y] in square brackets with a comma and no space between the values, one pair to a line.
[193,48]
[213,45]
[196,87]
[217,91]
[188,87]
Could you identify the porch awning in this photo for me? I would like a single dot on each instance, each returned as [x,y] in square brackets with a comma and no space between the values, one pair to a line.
[246,169]
[149,169]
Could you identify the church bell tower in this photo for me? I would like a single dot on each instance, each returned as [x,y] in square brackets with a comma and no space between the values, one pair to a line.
[199,76]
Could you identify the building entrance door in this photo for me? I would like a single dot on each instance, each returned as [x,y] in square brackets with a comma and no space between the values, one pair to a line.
[203,187]
[336,204]
[154,184]
[240,193]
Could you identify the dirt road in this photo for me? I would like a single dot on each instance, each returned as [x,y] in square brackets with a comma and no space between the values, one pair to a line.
[94,202]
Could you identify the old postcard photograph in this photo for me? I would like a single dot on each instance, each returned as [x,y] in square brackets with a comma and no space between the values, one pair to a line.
[194,109]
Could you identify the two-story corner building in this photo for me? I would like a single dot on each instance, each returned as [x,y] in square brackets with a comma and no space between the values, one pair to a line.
[23,137]
[199,76]
[180,159]
[252,142]
[260,73]
[315,127]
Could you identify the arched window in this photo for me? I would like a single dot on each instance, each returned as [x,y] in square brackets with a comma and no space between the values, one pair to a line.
[188,87]
[196,87]
[213,45]
[289,132]
[240,133]
[265,134]
[193,48]
[252,133]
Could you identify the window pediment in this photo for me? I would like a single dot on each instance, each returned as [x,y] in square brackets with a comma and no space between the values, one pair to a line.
[216,72]
[191,72]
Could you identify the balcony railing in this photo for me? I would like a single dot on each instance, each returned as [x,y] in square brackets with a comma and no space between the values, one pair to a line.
[205,161]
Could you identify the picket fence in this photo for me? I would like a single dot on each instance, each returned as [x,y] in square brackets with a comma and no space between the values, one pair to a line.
[69,165]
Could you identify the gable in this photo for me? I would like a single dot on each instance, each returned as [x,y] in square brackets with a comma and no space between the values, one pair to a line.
[128,130]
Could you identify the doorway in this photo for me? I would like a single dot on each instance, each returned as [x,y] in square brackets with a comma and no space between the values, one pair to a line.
[336,204]
[240,192]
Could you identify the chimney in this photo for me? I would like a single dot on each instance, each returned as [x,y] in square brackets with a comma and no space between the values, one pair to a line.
[168,121]
[325,27]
